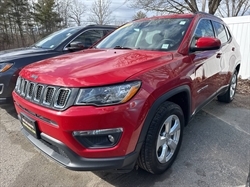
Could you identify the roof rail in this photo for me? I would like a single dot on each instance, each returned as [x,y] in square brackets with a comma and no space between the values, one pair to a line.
[94,25]
[205,13]
[200,12]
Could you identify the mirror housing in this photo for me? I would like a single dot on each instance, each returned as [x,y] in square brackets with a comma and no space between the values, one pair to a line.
[76,46]
[206,43]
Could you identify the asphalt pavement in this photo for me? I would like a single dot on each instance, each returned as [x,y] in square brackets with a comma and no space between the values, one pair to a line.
[215,153]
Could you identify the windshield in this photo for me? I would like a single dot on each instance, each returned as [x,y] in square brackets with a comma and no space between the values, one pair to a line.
[56,38]
[157,34]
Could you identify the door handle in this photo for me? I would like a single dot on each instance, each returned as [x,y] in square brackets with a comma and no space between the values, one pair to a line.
[218,55]
[233,48]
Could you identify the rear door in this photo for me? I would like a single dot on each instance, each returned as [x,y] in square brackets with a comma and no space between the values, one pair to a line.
[225,55]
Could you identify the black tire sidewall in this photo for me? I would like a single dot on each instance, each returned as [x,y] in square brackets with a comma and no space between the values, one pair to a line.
[226,96]
[158,167]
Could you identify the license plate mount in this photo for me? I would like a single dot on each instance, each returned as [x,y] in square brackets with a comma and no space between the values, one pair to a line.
[30,126]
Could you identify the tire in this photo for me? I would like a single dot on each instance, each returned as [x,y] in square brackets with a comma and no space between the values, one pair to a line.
[230,93]
[163,139]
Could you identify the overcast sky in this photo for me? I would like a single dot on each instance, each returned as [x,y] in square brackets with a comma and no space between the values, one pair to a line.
[120,10]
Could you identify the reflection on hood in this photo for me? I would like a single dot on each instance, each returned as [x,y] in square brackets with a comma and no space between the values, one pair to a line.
[20,52]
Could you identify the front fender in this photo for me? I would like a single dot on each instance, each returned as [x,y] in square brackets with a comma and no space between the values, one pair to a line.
[157,103]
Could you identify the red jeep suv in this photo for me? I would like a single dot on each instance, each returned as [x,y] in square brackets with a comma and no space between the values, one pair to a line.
[126,100]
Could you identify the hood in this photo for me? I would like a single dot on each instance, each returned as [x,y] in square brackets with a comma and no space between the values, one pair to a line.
[93,67]
[13,54]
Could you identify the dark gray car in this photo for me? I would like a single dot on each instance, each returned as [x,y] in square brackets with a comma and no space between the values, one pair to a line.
[61,42]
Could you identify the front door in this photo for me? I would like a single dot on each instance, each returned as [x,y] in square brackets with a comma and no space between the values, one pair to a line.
[206,67]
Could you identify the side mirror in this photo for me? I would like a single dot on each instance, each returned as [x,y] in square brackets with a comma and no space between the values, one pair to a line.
[76,46]
[206,43]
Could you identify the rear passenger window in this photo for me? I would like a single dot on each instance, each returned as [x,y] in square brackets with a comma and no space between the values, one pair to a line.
[220,32]
[204,29]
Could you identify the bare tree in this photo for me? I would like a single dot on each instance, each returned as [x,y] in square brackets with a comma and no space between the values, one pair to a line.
[100,12]
[231,8]
[139,15]
[71,11]
[76,11]
[203,5]
[63,7]
[175,6]
[118,22]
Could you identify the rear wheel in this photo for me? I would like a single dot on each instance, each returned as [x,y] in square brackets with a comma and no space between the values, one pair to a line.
[163,139]
[229,95]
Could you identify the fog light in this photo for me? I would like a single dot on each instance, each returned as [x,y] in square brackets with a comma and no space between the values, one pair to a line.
[111,138]
[101,138]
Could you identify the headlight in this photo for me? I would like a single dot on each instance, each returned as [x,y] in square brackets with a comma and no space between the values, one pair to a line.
[108,95]
[5,66]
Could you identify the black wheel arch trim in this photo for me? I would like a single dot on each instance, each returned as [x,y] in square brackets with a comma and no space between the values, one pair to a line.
[156,105]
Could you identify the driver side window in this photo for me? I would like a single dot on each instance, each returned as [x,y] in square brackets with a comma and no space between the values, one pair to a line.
[204,29]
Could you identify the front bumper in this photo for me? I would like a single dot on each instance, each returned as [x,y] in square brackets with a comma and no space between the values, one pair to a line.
[5,100]
[66,157]
[56,133]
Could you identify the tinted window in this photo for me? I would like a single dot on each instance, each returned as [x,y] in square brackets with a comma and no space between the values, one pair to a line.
[88,38]
[107,32]
[56,38]
[204,29]
[220,32]
[158,34]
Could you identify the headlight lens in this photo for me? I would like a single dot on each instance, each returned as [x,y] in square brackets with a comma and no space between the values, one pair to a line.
[108,95]
[5,66]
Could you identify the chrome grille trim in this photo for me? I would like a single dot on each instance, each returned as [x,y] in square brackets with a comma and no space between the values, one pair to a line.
[18,84]
[24,87]
[46,95]
[30,90]
[38,92]
[61,98]
[49,95]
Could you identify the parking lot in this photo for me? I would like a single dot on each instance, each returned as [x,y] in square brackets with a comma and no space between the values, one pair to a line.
[215,152]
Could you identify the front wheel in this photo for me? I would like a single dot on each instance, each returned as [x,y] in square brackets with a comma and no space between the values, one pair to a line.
[163,139]
[229,95]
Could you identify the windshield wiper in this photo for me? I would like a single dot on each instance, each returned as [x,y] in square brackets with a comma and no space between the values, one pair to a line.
[121,47]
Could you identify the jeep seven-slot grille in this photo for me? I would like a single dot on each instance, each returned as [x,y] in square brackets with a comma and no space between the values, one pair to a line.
[49,93]
[50,96]
[62,97]
[38,92]
[30,90]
